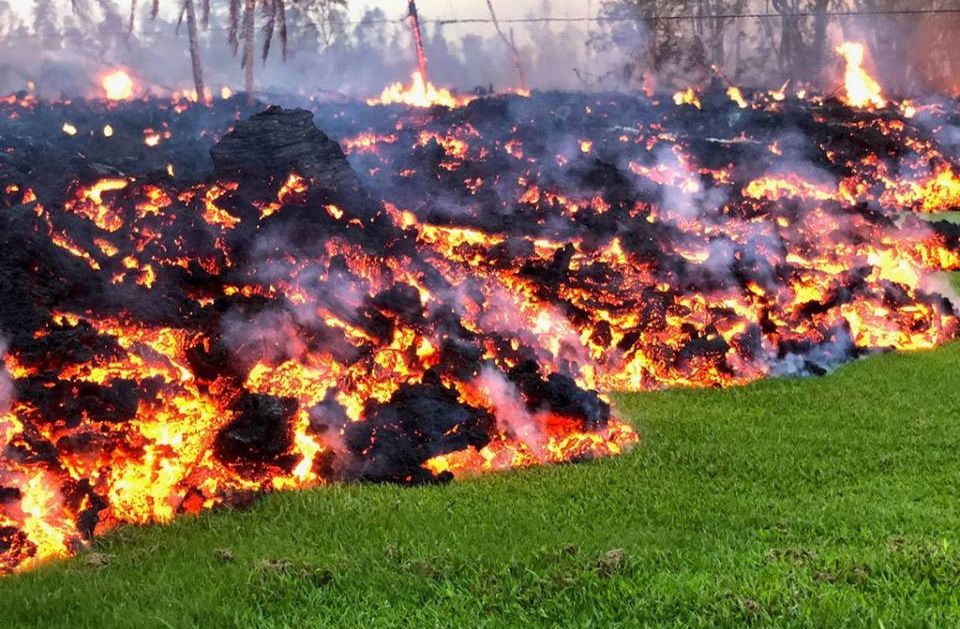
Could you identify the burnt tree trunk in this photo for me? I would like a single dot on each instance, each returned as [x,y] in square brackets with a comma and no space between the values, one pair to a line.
[250,7]
[511,46]
[133,14]
[195,61]
[819,36]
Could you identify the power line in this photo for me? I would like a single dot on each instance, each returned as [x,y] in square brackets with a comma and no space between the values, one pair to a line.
[616,19]
[661,18]
[641,18]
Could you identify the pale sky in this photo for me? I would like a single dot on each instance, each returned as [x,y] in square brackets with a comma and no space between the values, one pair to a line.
[433,9]
[439,9]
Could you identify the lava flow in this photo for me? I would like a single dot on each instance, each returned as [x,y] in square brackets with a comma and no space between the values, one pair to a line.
[441,292]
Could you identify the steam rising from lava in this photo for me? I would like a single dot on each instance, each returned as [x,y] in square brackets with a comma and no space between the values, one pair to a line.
[451,301]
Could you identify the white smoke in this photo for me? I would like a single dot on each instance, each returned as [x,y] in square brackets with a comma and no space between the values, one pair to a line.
[7,391]
[510,412]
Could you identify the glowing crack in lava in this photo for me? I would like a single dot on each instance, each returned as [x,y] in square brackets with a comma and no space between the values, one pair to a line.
[117,85]
[452,298]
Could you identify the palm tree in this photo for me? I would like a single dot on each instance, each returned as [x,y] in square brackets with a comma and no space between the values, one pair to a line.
[320,14]
[195,62]
[511,46]
[276,16]
[186,9]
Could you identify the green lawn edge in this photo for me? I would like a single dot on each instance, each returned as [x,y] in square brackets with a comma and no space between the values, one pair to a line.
[791,502]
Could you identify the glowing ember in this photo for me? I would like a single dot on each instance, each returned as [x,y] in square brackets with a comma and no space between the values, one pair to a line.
[117,85]
[687,97]
[418,94]
[860,89]
[736,96]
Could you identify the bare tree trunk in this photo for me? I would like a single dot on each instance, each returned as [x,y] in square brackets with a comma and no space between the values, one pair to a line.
[819,36]
[418,40]
[133,14]
[195,50]
[510,46]
[248,42]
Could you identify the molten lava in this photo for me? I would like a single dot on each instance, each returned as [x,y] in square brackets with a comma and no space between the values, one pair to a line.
[453,299]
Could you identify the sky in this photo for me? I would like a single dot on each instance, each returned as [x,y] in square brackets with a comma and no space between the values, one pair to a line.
[505,9]
[438,9]
[433,9]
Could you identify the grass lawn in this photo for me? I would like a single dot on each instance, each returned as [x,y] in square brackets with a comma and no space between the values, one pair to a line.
[950,217]
[818,502]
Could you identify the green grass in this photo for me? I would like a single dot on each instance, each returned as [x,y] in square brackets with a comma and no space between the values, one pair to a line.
[950,217]
[817,502]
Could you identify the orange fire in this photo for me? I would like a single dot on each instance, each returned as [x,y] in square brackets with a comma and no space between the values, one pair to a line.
[687,97]
[117,85]
[860,89]
[418,93]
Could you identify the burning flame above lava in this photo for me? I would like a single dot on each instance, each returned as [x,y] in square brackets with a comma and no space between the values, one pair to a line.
[419,93]
[117,85]
[860,89]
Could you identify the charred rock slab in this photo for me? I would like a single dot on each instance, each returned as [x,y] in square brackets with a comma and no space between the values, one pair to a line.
[262,430]
[277,141]
[419,422]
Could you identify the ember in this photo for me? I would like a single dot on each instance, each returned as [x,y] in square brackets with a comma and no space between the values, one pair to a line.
[450,297]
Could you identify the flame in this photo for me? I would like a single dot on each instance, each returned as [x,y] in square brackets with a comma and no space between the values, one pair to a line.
[736,96]
[117,85]
[860,89]
[418,93]
[687,97]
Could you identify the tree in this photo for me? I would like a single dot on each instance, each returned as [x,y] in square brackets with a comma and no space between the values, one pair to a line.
[195,62]
[676,39]
[802,42]
[325,18]
[511,46]
[186,10]
[682,38]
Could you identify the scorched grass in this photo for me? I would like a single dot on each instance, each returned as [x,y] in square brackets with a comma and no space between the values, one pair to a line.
[817,502]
